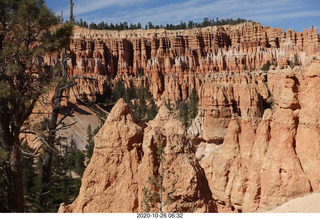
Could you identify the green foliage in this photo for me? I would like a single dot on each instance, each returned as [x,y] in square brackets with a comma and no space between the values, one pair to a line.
[193,104]
[75,161]
[182,25]
[119,90]
[152,110]
[141,72]
[188,110]
[184,113]
[31,179]
[296,61]
[90,142]
[266,66]
[140,100]
[63,186]
[28,31]
[142,108]
[245,67]
[169,106]
[84,97]
[153,199]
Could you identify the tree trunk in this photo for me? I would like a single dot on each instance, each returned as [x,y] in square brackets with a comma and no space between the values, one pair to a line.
[48,153]
[13,179]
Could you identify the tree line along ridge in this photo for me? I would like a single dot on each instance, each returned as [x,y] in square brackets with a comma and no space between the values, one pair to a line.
[182,25]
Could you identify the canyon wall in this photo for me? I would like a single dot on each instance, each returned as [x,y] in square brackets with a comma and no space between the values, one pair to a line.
[236,48]
[269,154]
[256,134]
[168,60]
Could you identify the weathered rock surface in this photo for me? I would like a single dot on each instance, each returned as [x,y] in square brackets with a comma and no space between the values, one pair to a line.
[171,59]
[258,168]
[125,156]
[259,131]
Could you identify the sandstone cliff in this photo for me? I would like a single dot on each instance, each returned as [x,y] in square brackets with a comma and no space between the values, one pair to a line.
[259,167]
[125,156]
[172,60]
[256,134]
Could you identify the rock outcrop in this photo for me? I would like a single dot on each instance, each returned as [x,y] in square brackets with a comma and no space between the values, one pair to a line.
[257,132]
[170,59]
[125,157]
[258,168]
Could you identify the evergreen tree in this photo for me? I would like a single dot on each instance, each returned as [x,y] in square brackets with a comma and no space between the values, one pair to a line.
[31,180]
[90,142]
[152,110]
[193,104]
[119,90]
[142,109]
[184,113]
[63,186]
[131,91]
[266,66]
[93,26]
[27,32]
[154,198]
[168,105]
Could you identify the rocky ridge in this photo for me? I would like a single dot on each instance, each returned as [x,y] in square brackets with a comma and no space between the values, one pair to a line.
[125,156]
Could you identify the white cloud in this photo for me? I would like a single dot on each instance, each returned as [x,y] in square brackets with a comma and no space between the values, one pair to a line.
[89,6]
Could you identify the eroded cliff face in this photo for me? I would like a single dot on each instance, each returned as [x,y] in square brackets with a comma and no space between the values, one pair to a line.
[236,48]
[125,156]
[256,133]
[261,165]
[171,59]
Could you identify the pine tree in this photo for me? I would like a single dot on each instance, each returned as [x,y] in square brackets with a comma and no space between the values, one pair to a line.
[119,91]
[193,104]
[184,113]
[90,144]
[266,66]
[154,198]
[142,109]
[27,32]
[152,110]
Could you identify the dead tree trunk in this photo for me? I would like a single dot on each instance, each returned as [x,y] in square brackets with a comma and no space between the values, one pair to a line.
[50,144]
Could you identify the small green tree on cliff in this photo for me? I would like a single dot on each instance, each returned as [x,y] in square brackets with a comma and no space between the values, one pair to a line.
[193,104]
[153,199]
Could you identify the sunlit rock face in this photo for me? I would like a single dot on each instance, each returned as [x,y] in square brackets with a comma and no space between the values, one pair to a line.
[256,135]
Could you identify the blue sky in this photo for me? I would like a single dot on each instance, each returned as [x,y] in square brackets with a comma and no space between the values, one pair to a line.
[288,14]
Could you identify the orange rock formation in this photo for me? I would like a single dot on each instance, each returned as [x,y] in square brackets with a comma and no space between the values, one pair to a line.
[259,131]
[262,164]
[125,156]
[171,59]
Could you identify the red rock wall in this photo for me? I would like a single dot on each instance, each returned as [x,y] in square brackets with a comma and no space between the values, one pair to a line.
[210,49]
[259,167]
[172,60]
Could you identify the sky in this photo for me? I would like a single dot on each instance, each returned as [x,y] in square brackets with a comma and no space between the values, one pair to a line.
[287,14]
